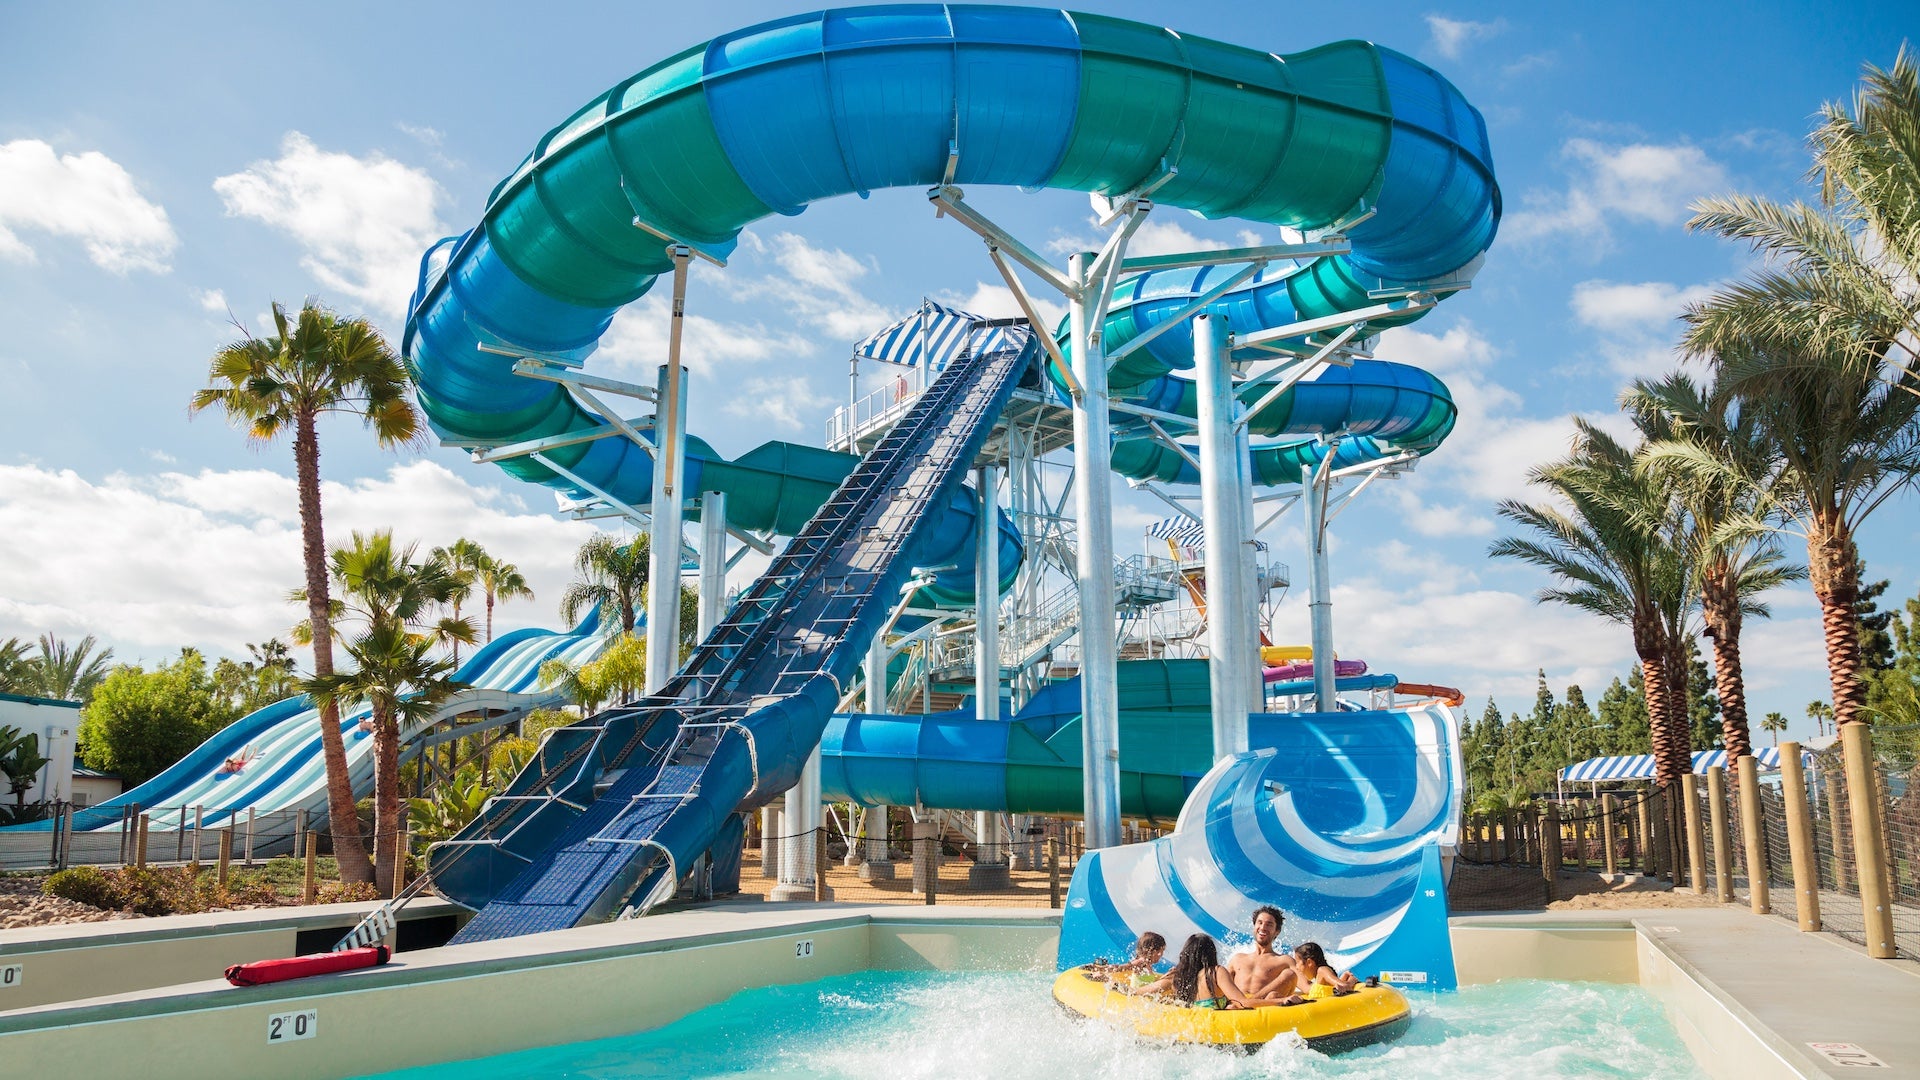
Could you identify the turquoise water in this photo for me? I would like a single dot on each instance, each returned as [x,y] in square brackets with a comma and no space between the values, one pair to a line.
[881,1025]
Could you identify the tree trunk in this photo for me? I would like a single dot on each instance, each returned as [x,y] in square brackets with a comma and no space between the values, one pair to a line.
[386,797]
[1679,715]
[1653,674]
[1720,608]
[456,641]
[489,614]
[1831,569]
[347,849]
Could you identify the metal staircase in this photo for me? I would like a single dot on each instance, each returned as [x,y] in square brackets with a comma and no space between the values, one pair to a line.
[612,811]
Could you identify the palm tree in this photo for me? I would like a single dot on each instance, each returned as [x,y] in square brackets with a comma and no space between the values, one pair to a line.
[1734,555]
[318,363]
[1839,275]
[1613,565]
[1821,714]
[15,668]
[617,674]
[501,581]
[20,762]
[398,677]
[68,672]
[613,573]
[393,596]
[463,559]
[1773,723]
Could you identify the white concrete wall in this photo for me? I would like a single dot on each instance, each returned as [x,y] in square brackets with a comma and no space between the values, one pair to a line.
[56,725]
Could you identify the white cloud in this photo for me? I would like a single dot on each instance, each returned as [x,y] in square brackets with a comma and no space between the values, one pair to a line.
[87,197]
[637,341]
[1447,629]
[818,287]
[1155,236]
[780,399]
[997,302]
[1638,183]
[1452,36]
[1636,322]
[154,562]
[362,221]
[1530,63]
[213,301]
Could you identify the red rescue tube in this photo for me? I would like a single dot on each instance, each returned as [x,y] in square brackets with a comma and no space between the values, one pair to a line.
[299,967]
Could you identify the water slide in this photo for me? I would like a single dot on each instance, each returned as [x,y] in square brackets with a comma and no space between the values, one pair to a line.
[613,811]
[280,743]
[777,116]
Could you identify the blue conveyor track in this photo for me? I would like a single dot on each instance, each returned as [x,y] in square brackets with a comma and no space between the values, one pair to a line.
[615,809]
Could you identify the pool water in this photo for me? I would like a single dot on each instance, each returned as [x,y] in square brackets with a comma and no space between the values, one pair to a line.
[873,1025]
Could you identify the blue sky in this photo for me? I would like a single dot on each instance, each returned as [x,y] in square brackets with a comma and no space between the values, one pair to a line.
[162,167]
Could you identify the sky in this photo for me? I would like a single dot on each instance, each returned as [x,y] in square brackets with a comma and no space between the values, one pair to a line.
[167,172]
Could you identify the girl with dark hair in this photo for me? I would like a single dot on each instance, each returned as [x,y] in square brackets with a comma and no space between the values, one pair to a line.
[1317,977]
[1198,979]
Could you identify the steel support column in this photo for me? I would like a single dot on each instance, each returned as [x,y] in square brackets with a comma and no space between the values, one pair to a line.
[713,560]
[878,864]
[1093,508]
[669,435]
[1313,494]
[990,868]
[1234,654]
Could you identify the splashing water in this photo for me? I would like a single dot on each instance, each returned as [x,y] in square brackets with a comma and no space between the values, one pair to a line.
[1005,1025]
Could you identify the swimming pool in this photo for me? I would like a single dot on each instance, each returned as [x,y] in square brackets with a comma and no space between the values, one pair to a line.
[875,1024]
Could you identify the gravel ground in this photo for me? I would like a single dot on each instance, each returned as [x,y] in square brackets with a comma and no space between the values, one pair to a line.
[22,905]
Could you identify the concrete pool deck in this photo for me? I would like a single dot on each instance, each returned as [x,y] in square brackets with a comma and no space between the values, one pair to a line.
[1750,995]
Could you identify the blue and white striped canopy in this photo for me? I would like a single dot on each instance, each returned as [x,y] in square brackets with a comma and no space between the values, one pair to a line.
[934,335]
[1640,766]
[1180,530]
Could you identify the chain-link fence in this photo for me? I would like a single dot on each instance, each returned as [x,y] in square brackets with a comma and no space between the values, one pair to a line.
[198,836]
[921,864]
[1526,858]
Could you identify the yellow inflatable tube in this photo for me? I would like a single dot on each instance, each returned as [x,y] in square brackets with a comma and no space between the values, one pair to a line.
[1329,1025]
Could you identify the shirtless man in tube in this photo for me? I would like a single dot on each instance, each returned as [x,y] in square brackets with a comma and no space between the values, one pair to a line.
[1265,976]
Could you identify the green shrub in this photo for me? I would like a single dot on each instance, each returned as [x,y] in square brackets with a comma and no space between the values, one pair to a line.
[82,885]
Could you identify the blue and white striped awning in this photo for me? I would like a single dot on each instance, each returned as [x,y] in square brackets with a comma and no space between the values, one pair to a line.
[1180,530]
[934,335]
[1640,766]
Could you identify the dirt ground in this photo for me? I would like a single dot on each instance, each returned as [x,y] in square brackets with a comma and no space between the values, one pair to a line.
[1509,888]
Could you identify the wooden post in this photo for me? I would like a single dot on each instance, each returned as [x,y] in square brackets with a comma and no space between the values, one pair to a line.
[140,843]
[1806,868]
[1837,828]
[399,861]
[300,834]
[1722,834]
[926,859]
[1606,834]
[1550,848]
[249,854]
[180,836]
[1869,854]
[226,855]
[199,819]
[66,842]
[1642,820]
[820,892]
[1582,822]
[310,891]
[1696,848]
[1749,773]
[1053,875]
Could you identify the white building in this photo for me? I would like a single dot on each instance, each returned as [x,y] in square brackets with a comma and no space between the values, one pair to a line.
[56,723]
